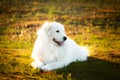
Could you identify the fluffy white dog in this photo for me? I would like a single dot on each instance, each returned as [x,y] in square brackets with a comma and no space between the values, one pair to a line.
[53,49]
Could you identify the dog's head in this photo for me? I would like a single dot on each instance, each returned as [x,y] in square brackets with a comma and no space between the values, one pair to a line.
[55,32]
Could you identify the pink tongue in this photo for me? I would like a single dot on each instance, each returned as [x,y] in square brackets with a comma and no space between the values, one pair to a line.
[61,43]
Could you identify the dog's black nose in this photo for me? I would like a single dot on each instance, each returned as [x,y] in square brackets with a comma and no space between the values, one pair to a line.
[64,38]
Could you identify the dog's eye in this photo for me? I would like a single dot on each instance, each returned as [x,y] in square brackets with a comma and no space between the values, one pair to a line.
[57,31]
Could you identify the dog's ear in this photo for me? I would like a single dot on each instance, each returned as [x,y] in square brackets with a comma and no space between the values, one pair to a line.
[46,26]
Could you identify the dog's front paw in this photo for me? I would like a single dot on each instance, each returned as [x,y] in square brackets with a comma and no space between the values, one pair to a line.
[47,67]
[37,64]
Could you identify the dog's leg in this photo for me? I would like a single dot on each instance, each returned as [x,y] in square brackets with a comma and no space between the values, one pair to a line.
[37,64]
[55,65]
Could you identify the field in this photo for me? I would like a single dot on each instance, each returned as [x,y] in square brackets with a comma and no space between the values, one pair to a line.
[94,24]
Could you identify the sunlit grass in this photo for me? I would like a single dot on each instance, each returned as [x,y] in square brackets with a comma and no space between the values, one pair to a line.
[16,49]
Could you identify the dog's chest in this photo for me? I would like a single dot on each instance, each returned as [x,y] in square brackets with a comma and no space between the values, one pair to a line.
[50,55]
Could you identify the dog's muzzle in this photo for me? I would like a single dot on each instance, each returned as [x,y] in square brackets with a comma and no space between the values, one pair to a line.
[60,43]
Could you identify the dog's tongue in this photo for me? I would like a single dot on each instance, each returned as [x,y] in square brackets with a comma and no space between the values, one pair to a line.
[61,43]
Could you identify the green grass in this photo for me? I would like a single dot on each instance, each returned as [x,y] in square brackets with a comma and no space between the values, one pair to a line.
[100,34]
[103,62]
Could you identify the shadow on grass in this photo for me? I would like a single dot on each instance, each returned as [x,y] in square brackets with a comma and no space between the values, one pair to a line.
[93,69]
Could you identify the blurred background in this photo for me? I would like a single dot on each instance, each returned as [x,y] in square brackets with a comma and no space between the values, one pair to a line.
[91,23]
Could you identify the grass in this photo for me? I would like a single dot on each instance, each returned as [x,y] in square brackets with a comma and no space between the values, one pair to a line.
[94,25]
[103,62]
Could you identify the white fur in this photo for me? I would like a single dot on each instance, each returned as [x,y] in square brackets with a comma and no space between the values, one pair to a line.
[48,55]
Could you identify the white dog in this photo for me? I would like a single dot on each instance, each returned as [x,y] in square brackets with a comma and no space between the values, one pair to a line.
[53,49]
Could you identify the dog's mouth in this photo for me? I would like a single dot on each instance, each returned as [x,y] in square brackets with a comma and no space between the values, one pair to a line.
[60,43]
